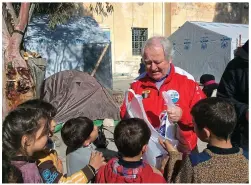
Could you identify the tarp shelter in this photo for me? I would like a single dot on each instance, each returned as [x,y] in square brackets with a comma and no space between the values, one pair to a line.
[206,47]
[77,44]
[75,93]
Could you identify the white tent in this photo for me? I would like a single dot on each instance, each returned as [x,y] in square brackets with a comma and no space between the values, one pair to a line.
[206,47]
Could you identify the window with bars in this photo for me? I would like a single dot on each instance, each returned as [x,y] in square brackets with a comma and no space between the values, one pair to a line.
[139,36]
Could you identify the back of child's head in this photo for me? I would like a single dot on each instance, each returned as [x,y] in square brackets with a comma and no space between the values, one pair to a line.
[22,122]
[76,130]
[130,136]
[216,114]
[38,103]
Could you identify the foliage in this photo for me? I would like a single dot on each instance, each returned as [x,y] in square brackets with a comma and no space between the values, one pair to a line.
[99,8]
[59,13]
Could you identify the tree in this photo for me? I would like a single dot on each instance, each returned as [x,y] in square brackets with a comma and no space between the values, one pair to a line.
[17,80]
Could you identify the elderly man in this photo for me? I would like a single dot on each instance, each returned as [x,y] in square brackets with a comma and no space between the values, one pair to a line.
[161,75]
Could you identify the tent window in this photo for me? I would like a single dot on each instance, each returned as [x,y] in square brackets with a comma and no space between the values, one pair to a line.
[139,36]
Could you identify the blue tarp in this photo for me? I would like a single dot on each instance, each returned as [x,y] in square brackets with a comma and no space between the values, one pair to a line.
[75,45]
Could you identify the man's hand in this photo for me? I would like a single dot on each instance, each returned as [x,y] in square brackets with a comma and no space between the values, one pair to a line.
[174,113]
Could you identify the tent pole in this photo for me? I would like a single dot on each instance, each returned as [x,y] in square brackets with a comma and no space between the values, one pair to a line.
[99,60]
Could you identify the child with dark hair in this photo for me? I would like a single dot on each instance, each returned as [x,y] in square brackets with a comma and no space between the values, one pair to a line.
[48,108]
[25,131]
[50,111]
[220,162]
[209,85]
[78,135]
[47,159]
[131,137]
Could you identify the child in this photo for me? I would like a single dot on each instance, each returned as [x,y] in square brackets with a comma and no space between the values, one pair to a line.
[220,162]
[48,109]
[25,131]
[209,85]
[131,137]
[47,160]
[78,135]
[51,111]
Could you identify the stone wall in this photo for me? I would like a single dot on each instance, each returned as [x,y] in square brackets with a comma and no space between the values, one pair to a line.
[127,68]
[208,12]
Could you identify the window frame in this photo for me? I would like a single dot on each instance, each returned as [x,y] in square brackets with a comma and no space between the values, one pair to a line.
[139,36]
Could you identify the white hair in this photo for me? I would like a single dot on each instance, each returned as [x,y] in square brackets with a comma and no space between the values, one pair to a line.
[164,42]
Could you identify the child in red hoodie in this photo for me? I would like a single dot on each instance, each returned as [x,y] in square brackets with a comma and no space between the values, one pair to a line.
[131,137]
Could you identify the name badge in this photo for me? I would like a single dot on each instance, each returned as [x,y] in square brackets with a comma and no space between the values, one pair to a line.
[146,94]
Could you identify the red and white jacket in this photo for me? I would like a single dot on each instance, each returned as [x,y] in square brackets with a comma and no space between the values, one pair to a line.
[184,92]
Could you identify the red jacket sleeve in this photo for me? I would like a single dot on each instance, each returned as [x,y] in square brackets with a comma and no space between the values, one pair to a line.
[123,110]
[195,95]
